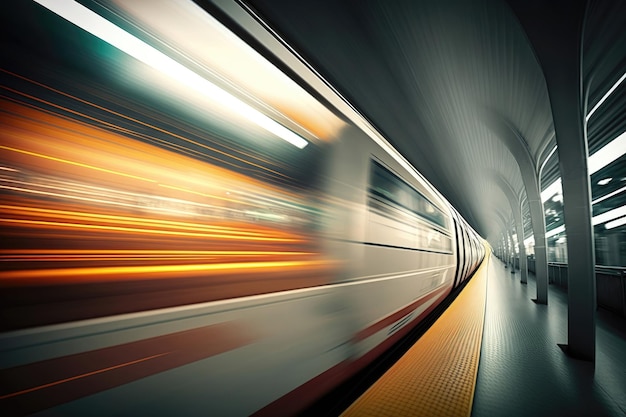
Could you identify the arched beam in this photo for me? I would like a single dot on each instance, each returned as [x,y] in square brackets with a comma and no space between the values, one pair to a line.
[516,208]
[506,230]
[514,141]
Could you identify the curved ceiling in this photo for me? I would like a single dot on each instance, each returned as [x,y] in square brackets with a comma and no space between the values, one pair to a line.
[430,75]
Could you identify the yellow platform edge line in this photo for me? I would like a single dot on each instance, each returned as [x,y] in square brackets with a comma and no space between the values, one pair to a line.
[484,271]
[437,375]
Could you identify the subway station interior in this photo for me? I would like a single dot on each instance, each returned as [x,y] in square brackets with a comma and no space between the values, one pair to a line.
[313,208]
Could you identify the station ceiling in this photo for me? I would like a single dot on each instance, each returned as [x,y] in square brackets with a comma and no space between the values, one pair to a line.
[430,75]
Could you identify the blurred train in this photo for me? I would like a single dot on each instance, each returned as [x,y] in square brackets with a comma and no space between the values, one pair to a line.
[188,230]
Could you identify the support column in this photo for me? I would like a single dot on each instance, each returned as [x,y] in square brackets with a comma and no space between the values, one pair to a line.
[523,259]
[555,30]
[569,116]
[512,249]
[541,254]
[516,208]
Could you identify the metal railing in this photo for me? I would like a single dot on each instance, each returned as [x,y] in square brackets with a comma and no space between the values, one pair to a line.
[610,283]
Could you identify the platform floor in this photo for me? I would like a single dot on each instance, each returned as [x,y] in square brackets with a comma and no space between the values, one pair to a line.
[435,377]
[522,370]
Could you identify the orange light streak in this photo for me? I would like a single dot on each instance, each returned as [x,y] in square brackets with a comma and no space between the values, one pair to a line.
[65,161]
[62,225]
[148,272]
[247,154]
[137,221]
[99,371]
[135,255]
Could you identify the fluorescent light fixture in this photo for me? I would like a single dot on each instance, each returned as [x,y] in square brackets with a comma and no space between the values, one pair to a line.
[603,99]
[615,223]
[608,195]
[604,181]
[124,41]
[554,188]
[609,153]
[555,231]
[609,215]
[617,213]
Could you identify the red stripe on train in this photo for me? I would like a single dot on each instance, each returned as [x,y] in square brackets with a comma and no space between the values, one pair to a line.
[306,394]
[389,320]
[37,386]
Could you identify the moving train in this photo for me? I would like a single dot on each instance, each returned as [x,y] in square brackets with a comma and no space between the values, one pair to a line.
[193,221]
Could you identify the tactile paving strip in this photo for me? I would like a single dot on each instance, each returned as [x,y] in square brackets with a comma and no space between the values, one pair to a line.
[437,376]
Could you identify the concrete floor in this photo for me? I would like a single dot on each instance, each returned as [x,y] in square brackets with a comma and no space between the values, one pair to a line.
[522,370]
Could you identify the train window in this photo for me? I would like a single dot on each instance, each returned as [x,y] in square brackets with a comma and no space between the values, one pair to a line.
[396,191]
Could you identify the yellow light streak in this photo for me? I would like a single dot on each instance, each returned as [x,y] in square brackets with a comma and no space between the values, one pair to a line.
[118,194]
[64,225]
[150,272]
[202,194]
[147,252]
[64,255]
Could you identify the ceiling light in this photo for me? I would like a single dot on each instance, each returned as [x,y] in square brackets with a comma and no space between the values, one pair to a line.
[615,223]
[124,41]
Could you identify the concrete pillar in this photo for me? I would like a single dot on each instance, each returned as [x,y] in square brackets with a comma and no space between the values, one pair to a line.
[555,30]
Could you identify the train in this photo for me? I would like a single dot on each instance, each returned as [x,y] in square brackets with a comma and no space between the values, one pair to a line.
[194,221]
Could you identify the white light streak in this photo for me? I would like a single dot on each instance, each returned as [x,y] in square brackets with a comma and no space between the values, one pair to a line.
[603,99]
[124,41]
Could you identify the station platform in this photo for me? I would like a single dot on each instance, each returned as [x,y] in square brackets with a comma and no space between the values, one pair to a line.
[494,352]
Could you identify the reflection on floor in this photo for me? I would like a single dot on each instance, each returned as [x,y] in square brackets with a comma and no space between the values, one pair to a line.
[522,371]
